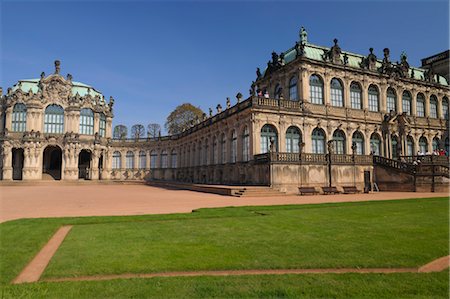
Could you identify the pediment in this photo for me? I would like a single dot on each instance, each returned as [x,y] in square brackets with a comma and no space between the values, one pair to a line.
[55,89]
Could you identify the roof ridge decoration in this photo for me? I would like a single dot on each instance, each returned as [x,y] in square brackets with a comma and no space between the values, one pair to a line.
[369,62]
[334,54]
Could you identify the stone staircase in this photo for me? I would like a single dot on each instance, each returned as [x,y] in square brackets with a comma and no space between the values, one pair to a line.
[256,192]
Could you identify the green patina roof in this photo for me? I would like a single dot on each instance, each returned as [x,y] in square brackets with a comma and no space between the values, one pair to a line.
[77,87]
[315,52]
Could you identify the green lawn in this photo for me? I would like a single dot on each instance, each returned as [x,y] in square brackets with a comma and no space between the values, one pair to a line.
[405,233]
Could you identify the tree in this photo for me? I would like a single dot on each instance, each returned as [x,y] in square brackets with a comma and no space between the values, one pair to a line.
[182,118]
[137,131]
[120,132]
[153,130]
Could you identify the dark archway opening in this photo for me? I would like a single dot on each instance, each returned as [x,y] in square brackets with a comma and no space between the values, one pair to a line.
[17,163]
[84,164]
[100,167]
[52,161]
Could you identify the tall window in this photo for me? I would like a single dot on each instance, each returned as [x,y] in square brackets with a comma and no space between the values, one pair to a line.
[293,94]
[233,146]
[116,160]
[277,91]
[409,146]
[268,133]
[435,143]
[318,141]
[129,160]
[423,145]
[356,95]
[223,142]
[293,138]
[433,106]
[420,109]
[316,89]
[394,147]
[375,144]
[86,121]
[358,139]
[215,156]
[406,102]
[339,142]
[164,159]
[336,92]
[153,158]
[54,119]
[245,145]
[102,125]
[19,118]
[173,159]
[374,99]
[391,100]
[142,159]
[445,108]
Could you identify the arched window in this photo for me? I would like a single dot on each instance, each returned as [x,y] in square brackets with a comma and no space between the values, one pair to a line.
[293,94]
[245,145]
[19,118]
[268,133]
[420,107]
[116,160]
[54,119]
[102,125]
[409,146]
[215,156]
[316,89]
[129,160]
[223,144]
[86,121]
[374,99]
[435,143]
[337,93]
[164,159]
[318,141]
[206,153]
[391,100]
[358,139]
[406,102]
[277,91]
[293,138]
[445,108]
[375,144]
[233,146]
[423,145]
[173,159]
[433,106]
[339,142]
[153,158]
[394,147]
[356,95]
[142,159]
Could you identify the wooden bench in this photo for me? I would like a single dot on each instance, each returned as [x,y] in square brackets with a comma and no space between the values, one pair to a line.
[307,190]
[351,189]
[330,190]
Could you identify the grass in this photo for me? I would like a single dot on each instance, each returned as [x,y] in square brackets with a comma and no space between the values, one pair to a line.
[405,233]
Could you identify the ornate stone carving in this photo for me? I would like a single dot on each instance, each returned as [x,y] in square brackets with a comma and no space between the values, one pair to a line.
[370,61]
[334,54]
[55,89]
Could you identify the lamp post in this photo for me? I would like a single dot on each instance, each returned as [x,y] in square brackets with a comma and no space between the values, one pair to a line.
[330,152]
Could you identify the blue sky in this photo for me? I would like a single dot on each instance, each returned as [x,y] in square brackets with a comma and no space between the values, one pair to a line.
[152,56]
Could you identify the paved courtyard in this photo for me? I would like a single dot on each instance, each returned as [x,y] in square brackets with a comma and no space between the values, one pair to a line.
[60,200]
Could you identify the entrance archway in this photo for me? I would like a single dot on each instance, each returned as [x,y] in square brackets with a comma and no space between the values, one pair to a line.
[84,164]
[52,161]
[17,163]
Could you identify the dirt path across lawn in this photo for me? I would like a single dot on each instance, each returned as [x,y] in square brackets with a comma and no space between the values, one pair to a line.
[59,200]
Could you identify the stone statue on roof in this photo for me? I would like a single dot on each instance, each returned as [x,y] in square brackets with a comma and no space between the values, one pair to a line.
[57,66]
[404,65]
[299,49]
[303,35]
[258,73]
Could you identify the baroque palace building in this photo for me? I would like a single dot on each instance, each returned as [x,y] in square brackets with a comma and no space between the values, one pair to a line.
[316,116]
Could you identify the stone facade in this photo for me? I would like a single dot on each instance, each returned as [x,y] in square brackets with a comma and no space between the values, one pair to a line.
[313,111]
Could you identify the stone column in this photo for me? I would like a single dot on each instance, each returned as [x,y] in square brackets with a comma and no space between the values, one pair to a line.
[427,104]
[347,102]
[365,95]
[399,92]
[439,107]
[8,118]
[414,102]
[96,123]
[7,161]
[94,164]
[108,127]
[383,98]
[282,137]
[326,90]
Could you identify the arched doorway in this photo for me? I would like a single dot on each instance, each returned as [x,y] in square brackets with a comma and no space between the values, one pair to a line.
[51,162]
[100,167]
[84,164]
[17,163]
